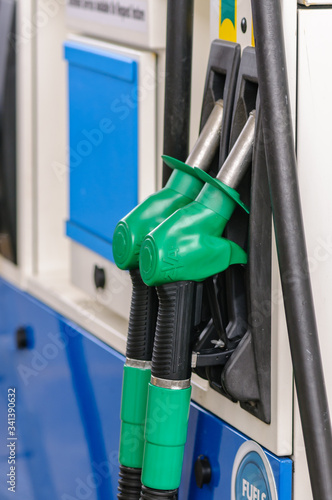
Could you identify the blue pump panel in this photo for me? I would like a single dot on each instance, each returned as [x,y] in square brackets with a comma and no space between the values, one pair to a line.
[103,143]
[68,394]
[211,437]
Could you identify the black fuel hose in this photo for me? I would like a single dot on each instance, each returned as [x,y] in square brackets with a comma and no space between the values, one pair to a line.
[180,15]
[141,330]
[292,253]
[150,494]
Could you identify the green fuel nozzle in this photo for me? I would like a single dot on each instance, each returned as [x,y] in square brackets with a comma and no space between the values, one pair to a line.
[189,244]
[182,187]
[186,248]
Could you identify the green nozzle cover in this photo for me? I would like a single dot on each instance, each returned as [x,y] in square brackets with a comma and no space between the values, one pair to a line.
[133,410]
[165,437]
[182,187]
[188,245]
[206,178]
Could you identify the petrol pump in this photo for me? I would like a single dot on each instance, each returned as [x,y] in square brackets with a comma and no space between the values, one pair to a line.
[159,244]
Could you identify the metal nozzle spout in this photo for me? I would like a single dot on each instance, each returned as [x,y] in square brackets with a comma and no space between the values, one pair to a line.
[208,141]
[238,160]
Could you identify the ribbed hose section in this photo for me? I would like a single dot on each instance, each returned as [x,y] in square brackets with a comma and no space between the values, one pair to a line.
[129,483]
[150,494]
[171,358]
[142,319]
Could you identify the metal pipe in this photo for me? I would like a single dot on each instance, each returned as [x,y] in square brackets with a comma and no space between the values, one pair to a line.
[292,253]
[238,160]
[208,141]
[178,80]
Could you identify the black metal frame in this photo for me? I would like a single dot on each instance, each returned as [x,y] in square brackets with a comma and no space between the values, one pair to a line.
[8,198]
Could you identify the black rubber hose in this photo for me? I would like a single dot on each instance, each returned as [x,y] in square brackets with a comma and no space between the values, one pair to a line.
[142,319]
[178,80]
[150,494]
[129,483]
[141,331]
[171,358]
[292,254]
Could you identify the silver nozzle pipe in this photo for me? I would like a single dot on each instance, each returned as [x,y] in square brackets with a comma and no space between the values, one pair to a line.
[238,160]
[208,141]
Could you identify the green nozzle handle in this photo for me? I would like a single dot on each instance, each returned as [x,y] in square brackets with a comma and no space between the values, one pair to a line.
[188,245]
[182,188]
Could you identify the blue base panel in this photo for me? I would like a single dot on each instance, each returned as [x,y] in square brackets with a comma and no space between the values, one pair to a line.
[67,394]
